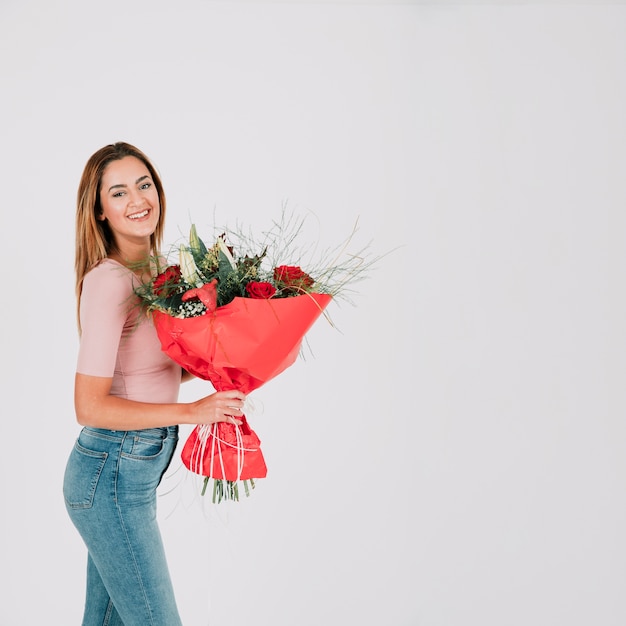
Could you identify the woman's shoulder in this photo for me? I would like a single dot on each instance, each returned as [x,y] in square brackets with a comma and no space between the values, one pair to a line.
[109,275]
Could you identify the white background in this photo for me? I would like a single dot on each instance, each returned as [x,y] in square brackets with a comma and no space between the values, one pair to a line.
[453,455]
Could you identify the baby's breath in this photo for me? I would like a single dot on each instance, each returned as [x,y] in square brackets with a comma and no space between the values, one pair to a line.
[191,308]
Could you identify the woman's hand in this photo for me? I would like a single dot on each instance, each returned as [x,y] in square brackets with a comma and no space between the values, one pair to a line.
[221,406]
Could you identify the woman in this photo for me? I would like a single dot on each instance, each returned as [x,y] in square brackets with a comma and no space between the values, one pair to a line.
[125,395]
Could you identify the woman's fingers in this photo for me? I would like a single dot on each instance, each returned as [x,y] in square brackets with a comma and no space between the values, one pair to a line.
[234,401]
[222,406]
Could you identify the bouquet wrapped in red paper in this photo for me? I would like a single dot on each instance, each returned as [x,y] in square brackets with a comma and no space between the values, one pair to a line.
[229,320]
[240,345]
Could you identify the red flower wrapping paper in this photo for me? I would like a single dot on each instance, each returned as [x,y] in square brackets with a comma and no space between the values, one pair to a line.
[240,345]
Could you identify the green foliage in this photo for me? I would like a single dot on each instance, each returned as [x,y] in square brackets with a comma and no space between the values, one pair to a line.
[332,272]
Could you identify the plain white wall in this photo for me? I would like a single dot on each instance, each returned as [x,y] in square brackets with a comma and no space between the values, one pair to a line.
[454,454]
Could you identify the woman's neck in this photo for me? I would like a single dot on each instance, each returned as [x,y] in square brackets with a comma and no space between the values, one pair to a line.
[136,259]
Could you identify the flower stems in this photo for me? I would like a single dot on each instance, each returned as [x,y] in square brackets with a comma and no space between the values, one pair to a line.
[226,489]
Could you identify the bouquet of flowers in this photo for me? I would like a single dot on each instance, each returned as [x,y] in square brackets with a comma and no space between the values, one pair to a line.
[238,319]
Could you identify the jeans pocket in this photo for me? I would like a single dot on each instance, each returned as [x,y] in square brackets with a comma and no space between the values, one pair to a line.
[81,476]
[146,445]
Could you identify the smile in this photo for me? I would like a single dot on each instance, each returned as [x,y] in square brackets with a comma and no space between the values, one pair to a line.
[138,216]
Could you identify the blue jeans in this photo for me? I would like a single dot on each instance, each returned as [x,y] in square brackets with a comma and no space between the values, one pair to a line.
[110,494]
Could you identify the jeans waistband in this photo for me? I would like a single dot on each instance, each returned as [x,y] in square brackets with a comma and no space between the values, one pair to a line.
[164,431]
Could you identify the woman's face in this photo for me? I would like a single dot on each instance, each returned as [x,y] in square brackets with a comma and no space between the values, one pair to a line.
[130,201]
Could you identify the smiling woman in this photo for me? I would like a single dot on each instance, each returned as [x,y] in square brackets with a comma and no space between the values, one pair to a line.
[110,175]
[129,202]
[125,395]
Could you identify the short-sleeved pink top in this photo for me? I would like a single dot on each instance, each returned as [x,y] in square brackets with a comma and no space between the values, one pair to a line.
[119,342]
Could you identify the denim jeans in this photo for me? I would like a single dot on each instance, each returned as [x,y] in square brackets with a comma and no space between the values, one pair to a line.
[110,494]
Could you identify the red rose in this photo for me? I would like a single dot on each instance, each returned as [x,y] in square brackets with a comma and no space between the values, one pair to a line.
[164,282]
[260,290]
[292,278]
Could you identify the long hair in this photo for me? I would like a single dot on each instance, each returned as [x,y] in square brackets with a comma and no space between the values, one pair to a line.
[94,238]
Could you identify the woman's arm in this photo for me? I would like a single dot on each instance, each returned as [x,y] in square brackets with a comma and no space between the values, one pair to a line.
[96,407]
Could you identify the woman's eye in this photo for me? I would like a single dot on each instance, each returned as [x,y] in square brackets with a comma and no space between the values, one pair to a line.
[146,186]
[118,194]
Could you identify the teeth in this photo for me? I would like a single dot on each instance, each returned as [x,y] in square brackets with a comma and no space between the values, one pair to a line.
[136,216]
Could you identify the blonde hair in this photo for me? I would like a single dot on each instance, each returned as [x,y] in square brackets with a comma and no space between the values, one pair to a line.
[94,238]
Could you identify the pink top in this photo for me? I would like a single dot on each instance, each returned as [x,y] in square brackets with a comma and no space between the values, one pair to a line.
[120,342]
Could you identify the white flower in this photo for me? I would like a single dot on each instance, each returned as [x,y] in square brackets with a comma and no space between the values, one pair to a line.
[223,248]
[188,267]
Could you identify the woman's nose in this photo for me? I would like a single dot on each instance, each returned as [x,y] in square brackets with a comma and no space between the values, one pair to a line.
[134,198]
